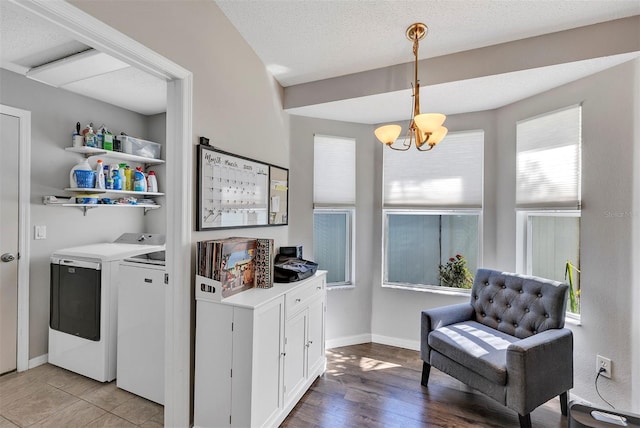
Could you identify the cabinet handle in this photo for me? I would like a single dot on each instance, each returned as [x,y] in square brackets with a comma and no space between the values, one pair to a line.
[298,300]
[318,288]
[284,354]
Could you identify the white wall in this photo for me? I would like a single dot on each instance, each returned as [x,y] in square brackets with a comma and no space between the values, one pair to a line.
[348,310]
[54,113]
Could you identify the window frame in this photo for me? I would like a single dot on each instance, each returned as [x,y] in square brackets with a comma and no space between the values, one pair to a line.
[350,213]
[524,244]
[439,212]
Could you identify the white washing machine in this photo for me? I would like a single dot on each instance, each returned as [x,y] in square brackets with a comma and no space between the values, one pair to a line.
[141,326]
[83,303]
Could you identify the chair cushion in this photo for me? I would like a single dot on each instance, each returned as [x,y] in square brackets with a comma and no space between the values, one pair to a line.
[475,346]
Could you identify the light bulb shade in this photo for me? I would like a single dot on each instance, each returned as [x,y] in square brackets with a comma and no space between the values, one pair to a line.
[429,122]
[437,136]
[388,134]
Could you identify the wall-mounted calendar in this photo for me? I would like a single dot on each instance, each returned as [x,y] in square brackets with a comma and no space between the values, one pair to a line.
[234,191]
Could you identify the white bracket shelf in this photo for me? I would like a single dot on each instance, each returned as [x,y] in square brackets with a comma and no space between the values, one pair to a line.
[93,151]
[86,207]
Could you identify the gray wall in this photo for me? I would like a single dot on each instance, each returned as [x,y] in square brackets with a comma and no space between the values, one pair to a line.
[348,310]
[609,256]
[236,102]
[608,253]
[54,113]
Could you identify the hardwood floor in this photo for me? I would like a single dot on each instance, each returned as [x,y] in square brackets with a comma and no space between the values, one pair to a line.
[48,396]
[373,385]
[367,385]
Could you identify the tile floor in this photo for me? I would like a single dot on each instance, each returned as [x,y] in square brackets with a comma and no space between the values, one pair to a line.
[48,396]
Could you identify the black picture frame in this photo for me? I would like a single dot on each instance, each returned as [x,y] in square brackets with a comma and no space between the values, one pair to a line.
[236,191]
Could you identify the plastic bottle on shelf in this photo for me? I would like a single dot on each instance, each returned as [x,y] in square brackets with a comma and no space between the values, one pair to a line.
[108,179]
[100,182]
[117,181]
[139,181]
[152,182]
[90,139]
[128,179]
[82,166]
[123,179]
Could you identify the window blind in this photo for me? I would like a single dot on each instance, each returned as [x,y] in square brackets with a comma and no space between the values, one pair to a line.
[548,160]
[450,175]
[334,171]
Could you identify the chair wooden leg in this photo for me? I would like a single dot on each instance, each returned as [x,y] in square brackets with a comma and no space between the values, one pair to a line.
[525,421]
[564,402]
[426,368]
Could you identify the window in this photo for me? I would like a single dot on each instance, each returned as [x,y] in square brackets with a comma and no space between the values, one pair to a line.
[334,199]
[548,197]
[432,211]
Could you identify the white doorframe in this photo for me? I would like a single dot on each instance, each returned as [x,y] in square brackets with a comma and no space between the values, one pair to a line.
[89,30]
[24,225]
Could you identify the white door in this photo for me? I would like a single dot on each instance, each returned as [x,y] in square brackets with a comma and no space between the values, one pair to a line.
[9,137]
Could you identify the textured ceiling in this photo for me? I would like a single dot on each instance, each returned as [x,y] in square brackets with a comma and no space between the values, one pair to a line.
[303,41]
[28,41]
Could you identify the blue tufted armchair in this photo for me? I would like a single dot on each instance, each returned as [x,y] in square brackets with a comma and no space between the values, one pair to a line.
[509,342]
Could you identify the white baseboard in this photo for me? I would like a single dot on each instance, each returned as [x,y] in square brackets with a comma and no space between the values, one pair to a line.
[38,361]
[348,340]
[414,345]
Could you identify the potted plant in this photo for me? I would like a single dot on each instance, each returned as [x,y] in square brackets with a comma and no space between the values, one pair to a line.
[455,273]
[574,295]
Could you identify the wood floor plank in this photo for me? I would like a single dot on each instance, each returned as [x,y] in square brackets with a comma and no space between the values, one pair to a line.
[372,385]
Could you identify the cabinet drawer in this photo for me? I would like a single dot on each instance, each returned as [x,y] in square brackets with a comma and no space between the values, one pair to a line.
[299,298]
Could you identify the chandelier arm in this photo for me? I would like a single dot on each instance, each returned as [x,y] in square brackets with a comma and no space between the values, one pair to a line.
[431,146]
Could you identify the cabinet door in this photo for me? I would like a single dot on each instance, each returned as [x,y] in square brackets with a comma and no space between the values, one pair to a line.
[267,363]
[295,348]
[315,339]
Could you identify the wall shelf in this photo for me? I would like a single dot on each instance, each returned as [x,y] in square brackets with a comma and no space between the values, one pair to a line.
[93,151]
[110,191]
[86,207]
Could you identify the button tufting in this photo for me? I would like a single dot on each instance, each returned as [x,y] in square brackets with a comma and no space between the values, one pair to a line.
[504,286]
[526,309]
[483,314]
[508,305]
[539,295]
[515,324]
[535,331]
[498,319]
[476,297]
[490,300]
[520,291]
[546,315]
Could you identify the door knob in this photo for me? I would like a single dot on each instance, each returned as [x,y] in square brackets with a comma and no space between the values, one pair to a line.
[7,257]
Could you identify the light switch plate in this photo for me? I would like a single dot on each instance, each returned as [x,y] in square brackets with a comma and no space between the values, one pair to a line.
[40,232]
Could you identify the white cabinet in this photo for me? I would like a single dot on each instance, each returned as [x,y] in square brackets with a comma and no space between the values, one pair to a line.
[257,352]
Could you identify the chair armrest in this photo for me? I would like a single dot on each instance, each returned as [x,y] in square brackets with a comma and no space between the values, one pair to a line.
[539,368]
[440,317]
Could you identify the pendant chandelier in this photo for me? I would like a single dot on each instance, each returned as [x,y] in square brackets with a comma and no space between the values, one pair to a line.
[425,129]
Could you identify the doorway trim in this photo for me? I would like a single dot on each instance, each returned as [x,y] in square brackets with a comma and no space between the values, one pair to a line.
[24,226]
[179,156]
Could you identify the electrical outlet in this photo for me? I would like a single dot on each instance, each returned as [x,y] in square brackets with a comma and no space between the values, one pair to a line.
[603,363]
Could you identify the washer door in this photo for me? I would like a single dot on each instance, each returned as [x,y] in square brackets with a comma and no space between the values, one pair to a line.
[75,298]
